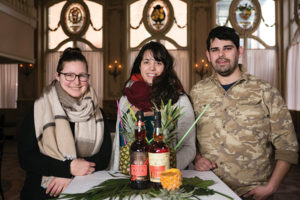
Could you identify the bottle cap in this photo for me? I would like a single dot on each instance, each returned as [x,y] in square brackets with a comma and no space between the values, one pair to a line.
[157,119]
[139,115]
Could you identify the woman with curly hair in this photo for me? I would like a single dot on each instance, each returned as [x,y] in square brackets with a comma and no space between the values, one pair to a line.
[153,80]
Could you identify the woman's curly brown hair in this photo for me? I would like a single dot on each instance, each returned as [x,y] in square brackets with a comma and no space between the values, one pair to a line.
[167,85]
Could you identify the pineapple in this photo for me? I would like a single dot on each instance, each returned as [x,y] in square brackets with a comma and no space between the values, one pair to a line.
[129,124]
[124,164]
[171,179]
[169,116]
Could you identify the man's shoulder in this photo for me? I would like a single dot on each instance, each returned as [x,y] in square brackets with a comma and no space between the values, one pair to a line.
[202,84]
[254,81]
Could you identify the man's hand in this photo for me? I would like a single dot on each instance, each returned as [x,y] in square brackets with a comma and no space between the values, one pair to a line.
[203,164]
[81,167]
[57,186]
[260,192]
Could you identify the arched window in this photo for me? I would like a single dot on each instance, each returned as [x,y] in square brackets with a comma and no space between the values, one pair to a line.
[166,22]
[254,20]
[77,23]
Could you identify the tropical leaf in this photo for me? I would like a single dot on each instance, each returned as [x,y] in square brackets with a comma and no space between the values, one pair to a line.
[197,182]
[119,188]
[129,126]
[169,116]
[179,194]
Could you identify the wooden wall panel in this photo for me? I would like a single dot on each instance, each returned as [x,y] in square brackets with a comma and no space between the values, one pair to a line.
[201,25]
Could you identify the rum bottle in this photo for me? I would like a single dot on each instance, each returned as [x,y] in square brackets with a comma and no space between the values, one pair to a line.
[139,156]
[159,155]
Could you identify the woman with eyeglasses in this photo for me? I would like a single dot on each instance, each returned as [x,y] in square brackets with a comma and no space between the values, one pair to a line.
[65,134]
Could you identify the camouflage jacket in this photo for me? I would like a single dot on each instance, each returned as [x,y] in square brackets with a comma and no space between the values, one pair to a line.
[244,130]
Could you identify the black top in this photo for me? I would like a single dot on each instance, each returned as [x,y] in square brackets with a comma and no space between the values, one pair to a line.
[226,87]
[37,164]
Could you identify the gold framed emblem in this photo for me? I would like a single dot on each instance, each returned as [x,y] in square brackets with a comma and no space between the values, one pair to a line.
[158,16]
[245,16]
[75,18]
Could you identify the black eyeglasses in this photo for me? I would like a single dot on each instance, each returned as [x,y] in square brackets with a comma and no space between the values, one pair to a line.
[72,76]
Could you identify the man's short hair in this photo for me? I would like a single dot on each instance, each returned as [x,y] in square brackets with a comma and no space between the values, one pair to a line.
[223,33]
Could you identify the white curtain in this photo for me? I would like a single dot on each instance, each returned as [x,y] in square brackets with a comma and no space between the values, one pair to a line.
[95,62]
[292,78]
[8,85]
[181,65]
[261,63]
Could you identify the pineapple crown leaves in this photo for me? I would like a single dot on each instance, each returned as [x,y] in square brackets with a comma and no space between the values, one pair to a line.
[169,116]
[128,127]
[129,124]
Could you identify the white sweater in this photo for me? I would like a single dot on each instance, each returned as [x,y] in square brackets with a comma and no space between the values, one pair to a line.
[185,153]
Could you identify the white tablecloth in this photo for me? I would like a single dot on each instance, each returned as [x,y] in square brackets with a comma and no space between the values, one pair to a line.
[81,184]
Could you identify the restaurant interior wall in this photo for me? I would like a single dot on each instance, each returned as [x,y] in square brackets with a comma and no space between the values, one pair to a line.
[27,40]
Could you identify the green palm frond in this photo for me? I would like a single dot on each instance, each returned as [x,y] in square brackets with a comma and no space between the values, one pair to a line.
[119,188]
[179,194]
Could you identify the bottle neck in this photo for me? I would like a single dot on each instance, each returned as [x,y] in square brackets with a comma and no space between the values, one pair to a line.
[140,132]
[157,135]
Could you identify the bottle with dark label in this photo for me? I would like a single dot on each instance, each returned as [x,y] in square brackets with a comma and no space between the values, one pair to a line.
[139,156]
[159,155]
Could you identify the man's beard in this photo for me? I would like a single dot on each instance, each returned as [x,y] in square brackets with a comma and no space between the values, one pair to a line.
[228,71]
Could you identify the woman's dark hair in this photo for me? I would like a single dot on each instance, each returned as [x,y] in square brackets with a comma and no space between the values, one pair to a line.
[70,54]
[223,33]
[167,85]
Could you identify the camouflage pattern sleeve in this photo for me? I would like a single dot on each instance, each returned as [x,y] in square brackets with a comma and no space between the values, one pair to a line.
[283,135]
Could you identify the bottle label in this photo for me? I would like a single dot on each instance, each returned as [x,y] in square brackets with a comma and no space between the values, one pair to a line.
[158,162]
[138,171]
[139,166]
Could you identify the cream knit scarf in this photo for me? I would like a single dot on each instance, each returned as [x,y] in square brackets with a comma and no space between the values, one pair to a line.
[52,113]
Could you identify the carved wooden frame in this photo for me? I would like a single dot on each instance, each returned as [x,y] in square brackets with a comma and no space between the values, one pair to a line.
[169,21]
[85,23]
[232,17]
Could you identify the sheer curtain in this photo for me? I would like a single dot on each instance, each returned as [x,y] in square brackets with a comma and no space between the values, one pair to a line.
[261,63]
[95,62]
[292,78]
[8,85]
[181,65]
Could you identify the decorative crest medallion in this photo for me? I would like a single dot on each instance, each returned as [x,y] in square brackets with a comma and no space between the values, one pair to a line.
[245,15]
[75,18]
[158,16]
